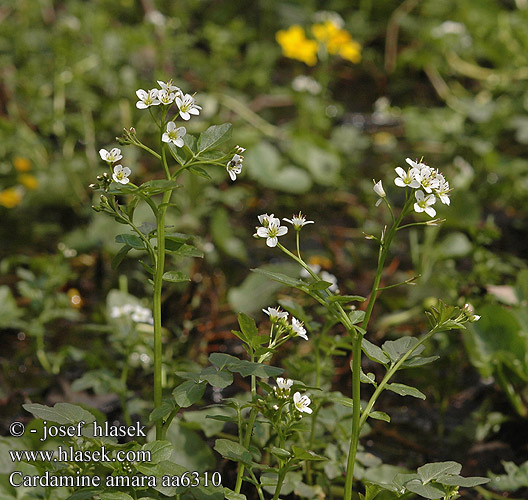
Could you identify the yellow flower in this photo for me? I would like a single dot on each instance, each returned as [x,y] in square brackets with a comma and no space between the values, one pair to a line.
[22,164]
[10,197]
[295,45]
[324,32]
[29,181]
[337,41]
[351,51]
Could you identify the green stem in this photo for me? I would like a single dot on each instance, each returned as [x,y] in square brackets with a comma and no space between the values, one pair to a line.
[146,148]
[249,430]
[357,416]
[168,421]
[257,485]
[280,480]
[158,284]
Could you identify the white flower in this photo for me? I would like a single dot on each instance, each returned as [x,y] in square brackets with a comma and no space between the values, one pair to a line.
[284,384]
[426,176]
[121,174]
[110,156]
[416,165]
[136,313]
[442,191]
[424,203]
[275,313]
[187,106]
[271,232]
[378,189]
[265,219]
[298,329]
[147,99]
[142,315]
[303,83]
[234,166]
[406,179]
[302,403]
[166,97]
[174,134]
[239,149]
[169,88]
[298,221]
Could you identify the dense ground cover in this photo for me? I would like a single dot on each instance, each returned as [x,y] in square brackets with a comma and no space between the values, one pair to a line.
[323,103]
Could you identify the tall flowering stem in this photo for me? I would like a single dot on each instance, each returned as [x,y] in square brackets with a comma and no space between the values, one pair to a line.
[187,153]
[357,352]
[426,186]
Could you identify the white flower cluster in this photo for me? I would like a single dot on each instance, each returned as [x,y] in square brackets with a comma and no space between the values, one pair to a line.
[114,155]
[166,95]
[297,327]
[429,184]
[271,228]
[300,402]
[137,314]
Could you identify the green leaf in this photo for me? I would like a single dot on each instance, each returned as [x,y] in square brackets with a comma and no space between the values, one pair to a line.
[208,493]
[280,453]
[371,492]
[395,349]
[131,240]
[367,378]
[159,450]
[177,153]
[200,172]
[119,256]
[190,141]
[374,353]
[184,250]
[245,368]
[281,278]
[232,451]
[158,186]
[61,413]
[231,495]
[216,378]
[115,495]
[188,393]
[418,361]
[248,327]
[175,276]
[87,494]
[302,454]
[178,238]
[405,390]
[356,317]
[221,360]
[214,136]
[319,285]
[344,299]
[379,415]
[425,490]
[432,471]
[464,482]
[162,410]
